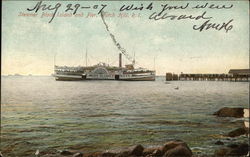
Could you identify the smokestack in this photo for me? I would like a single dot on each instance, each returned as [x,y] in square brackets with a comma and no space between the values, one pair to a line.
[120,60]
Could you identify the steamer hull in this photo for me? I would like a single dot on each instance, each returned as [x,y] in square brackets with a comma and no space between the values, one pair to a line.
[102,73]
[138,77]
[68,77]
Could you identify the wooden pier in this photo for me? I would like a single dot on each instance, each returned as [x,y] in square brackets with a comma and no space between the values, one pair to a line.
[233,75]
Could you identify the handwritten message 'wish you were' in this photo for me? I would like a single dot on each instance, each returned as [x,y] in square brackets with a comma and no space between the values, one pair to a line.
[154,11]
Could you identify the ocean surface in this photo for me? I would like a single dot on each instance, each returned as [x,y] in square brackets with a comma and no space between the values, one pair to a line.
[38,112]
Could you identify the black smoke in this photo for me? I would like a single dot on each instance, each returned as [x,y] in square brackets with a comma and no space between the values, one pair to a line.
[123,51]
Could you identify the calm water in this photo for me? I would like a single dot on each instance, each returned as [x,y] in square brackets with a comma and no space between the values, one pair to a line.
[41,113]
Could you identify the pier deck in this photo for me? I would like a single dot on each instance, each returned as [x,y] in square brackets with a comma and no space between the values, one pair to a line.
[233,75]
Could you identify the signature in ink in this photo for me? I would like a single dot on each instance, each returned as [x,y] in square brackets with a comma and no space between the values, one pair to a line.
[208,25]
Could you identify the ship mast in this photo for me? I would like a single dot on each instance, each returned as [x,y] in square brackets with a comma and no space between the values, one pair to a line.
[86,57]
[55,60]
[154,63]
[133,62]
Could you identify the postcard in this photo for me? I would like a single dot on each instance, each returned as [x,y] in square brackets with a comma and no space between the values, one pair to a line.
[124,78]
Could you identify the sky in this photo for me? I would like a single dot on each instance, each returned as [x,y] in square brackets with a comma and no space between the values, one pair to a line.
[32,45]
